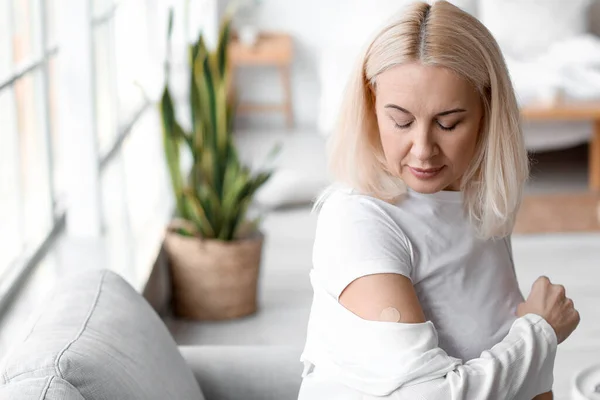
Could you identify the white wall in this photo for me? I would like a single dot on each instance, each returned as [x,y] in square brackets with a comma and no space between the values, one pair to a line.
[315,26]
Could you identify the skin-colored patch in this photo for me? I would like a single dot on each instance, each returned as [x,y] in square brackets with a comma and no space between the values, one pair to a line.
[390,314]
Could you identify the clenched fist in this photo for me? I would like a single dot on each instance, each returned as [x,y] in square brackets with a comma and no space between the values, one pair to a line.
[550,302]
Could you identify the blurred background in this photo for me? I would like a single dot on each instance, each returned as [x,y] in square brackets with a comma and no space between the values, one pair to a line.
[83,179]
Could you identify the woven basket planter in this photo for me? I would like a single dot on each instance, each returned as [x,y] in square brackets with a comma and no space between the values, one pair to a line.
[212,279]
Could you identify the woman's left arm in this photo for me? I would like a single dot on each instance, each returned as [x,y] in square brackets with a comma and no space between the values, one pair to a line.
[544,396]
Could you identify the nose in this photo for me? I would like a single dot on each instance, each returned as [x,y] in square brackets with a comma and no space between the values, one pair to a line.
[423,144]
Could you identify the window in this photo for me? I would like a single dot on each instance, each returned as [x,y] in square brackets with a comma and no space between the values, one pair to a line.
[29,169]
[121,67]
[70,124]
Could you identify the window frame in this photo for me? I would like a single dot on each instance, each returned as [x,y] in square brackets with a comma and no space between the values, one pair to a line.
[16,271]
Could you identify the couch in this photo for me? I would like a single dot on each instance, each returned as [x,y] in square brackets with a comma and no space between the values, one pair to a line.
[98,339]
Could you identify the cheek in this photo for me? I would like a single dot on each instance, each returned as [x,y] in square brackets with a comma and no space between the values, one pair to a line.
[461,150]
[392,141]
[393,145]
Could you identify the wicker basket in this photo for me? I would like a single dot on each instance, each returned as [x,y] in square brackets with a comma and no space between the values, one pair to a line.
[212,279]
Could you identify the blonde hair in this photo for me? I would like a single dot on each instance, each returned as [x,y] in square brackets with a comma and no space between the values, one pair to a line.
[442,35]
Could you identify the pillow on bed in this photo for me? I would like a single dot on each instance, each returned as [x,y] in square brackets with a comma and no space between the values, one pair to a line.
[527,28]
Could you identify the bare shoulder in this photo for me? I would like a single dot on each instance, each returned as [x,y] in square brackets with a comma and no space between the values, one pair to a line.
[385,297]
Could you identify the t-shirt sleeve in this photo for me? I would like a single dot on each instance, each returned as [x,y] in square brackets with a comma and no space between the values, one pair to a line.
[355,237]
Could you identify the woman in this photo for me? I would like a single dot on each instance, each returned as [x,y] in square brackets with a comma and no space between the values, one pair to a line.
[415,294]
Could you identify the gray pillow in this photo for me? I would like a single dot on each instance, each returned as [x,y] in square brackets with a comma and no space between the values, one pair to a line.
[100,338]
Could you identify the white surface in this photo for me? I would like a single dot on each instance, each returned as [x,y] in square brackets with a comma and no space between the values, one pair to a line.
[586,385]
[335,68]
[526,28]
[315,25]
[78,132]
[470,6]
[289,187]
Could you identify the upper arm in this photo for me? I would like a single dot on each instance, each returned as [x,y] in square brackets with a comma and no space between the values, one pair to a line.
[369,295]
[362,251]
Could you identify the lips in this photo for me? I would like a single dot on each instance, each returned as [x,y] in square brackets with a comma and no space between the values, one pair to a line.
[427,170]
[425,173]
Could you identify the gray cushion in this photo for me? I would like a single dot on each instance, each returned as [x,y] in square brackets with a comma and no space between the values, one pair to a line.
[40,388]
[102,338]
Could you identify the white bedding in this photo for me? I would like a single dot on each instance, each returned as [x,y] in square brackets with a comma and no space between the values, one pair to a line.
[571,66]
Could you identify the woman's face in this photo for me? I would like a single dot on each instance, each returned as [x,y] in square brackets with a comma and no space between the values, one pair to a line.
[429,119]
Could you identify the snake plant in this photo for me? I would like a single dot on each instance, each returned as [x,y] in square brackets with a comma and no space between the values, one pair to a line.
[215,195]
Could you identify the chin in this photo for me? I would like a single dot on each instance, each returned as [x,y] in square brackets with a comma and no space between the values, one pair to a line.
[425,187]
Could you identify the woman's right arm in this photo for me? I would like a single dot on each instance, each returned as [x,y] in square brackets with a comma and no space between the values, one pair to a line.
[519,367]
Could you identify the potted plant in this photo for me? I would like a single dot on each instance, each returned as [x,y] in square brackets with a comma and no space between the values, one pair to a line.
[214,248]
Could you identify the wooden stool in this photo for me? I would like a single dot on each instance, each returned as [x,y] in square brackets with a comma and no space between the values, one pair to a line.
[271,49]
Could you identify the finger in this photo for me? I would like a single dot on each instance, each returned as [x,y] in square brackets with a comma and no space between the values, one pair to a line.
[562,292]
[542,280]
[569,303]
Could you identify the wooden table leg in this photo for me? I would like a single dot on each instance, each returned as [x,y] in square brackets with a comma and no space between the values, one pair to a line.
[287,92]
[594,159]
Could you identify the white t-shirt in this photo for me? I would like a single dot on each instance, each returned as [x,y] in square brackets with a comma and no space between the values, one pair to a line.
[466,286]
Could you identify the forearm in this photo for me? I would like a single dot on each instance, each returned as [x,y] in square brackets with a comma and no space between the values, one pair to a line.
[519,367]
[406,358]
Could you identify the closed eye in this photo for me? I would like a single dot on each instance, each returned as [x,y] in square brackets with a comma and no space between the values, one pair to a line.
[443,127]
[405,126]
[446,128]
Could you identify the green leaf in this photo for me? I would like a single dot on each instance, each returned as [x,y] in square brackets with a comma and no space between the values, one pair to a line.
[204,95]
[231,171]
[244,204]
[223,134]
[207,166]
[224,39]
[231,201]
[198,215]
[212,206]
[184,232]
[170,130]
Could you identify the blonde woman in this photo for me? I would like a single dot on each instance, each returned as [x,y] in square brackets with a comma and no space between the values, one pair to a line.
[415,293]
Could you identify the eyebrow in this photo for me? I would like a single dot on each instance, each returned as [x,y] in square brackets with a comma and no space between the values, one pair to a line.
[443,113]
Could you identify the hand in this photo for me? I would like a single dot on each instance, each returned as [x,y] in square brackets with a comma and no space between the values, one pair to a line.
[549,301]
